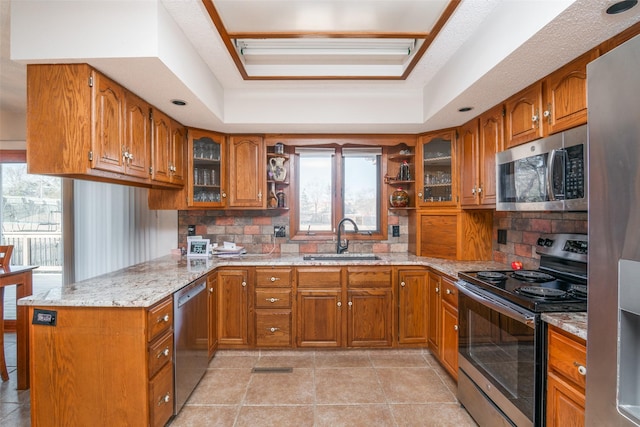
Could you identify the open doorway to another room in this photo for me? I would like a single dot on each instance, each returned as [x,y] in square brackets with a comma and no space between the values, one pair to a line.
[31,221]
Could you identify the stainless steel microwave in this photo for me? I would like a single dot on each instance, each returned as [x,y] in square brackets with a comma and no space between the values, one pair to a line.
[549,174]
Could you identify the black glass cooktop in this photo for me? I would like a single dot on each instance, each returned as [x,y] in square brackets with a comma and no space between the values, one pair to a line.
[532,289]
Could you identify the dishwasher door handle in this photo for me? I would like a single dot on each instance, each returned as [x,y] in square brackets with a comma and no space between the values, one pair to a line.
[195,290]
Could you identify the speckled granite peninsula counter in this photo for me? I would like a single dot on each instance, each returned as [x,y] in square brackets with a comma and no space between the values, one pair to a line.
[144,284]
[574,323]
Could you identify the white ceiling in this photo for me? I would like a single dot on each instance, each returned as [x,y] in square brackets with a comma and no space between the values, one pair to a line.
[167,49]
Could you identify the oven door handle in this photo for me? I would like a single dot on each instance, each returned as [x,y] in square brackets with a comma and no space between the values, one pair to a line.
[522,316]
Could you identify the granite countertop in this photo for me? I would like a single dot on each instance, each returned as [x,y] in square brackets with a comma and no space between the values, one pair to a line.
[574,323]
[144,284]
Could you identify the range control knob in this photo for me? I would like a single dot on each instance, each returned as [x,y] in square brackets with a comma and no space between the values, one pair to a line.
[540,241]
[548,242]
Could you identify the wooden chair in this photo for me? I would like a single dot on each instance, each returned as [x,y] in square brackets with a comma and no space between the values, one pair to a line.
[5,259]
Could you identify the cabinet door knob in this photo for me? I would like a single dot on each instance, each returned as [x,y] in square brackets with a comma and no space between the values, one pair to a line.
[420,195]
[350,303]
[449,292]
[339,303]
[455,327]
[164,399]
[437,290]
[403,284]
[273,329]
[164,318]
[244,284]
[479,190]
[473,191]
[164,353]
[211,290]
[224,194]
[582,370]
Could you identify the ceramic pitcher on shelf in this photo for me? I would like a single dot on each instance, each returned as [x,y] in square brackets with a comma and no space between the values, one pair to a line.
[276,165]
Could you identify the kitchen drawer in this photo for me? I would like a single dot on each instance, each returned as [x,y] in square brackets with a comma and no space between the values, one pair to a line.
[319,277]
[273,277]
[160,353]
[161,397]
[449,292]
[273,328]
[273,298]
[369,277]
[159,318]
[567,356]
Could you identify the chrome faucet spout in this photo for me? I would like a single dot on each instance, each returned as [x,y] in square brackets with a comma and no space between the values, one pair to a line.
[340,247]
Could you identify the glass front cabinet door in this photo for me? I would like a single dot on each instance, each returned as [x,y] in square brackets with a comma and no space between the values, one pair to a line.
[437,156]
[207,168]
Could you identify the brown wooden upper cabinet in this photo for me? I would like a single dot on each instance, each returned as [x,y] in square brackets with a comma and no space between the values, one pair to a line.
[566,95]
[81,124]
[436,169]
[247,175]
[169,146]
[556,103]
[207,179]
[480,140]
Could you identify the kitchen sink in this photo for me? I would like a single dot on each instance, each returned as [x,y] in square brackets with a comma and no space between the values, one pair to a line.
[340,257]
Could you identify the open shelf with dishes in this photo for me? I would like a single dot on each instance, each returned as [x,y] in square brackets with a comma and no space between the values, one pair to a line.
[278,177]
[400,178]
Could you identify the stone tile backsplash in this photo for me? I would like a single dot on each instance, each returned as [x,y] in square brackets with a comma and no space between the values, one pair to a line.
[523,230]
[254,231]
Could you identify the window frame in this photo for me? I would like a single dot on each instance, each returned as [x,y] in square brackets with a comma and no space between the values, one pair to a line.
[336,198]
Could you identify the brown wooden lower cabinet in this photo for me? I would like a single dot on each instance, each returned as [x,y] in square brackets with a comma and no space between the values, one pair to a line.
[319,318]
[566,379]
[234,287]
[443,321]
[413,309]
[105,365]
[212,287]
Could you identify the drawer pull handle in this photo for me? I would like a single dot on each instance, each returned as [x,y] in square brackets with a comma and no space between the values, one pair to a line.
[164,399]
[273,299]
[273,329]
[449,292]
[582,370]
[164,353]
[403,284]
[273,279]
[164,318]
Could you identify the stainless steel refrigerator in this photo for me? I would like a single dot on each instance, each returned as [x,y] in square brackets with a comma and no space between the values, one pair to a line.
[613,338]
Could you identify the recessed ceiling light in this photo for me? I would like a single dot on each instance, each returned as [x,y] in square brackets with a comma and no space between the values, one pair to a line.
[621,6]
[179,102]
[465,109]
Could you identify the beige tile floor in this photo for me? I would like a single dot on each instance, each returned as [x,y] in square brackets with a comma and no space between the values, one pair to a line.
[325,388]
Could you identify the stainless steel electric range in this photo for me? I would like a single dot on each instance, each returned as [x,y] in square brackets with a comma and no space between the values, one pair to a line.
[502,346]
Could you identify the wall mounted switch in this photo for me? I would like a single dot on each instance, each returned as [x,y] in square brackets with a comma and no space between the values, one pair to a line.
[395,230]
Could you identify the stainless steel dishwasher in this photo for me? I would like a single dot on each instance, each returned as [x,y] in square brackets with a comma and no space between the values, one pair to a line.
[191,349]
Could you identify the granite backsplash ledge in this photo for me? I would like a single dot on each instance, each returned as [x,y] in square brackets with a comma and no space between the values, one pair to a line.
[254,231]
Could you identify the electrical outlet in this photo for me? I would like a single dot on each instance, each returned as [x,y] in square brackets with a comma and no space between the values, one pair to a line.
[395,230]
[502,237]
[191,230]
[279,231]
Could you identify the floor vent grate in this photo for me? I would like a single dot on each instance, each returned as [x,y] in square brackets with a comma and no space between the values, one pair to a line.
[272,370]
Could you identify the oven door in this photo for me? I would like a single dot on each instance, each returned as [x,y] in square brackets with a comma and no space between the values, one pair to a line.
[500,357]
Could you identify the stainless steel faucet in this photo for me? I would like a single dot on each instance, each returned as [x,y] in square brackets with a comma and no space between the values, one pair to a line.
[342,248]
